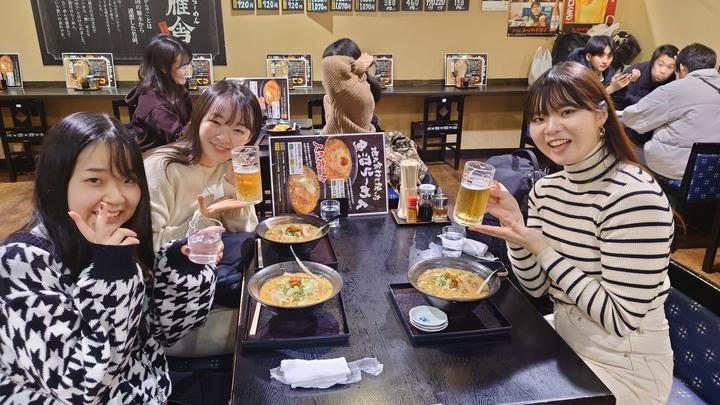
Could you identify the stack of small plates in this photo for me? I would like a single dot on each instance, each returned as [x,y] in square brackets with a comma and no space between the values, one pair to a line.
[428,319]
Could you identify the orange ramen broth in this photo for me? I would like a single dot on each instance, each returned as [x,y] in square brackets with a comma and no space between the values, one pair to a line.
[452,283]
[291,233]
[295,289]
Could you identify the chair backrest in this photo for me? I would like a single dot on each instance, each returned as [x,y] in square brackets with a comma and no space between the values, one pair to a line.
[443,115]
[701,181]
[312,105]
[117,105]
[28,121]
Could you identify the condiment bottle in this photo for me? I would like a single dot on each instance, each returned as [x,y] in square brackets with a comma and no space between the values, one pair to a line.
[412,209]
[440,204]
[424,209]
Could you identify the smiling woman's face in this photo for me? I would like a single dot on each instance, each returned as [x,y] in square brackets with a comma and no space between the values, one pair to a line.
[568,134]
[217,137]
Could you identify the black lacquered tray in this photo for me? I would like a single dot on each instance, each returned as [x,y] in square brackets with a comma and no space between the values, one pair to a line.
[322,253]
[485,322]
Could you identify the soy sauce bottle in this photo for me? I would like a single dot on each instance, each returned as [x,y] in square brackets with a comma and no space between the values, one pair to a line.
[425,210]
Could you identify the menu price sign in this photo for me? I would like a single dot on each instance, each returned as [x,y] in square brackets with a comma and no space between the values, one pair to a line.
[389,5]
[293,5]
[79,65]
[411,5]
[243,4]
[272,93]
[472,66]
[435,5]
[306,170]
[297,68]
[340,5]
[268,4]
[383,69]
[202,69]
[458,5]
[318,6]
[10,69]
[365,5]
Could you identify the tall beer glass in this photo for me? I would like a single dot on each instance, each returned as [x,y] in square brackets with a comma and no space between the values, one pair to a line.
[248,183]
[474,192]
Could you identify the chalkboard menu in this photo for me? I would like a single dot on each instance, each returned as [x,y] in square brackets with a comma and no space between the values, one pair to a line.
[124,27]
[293,5]
[458,5]
[435,5]
[411,5]
[389,5]
[318,5]
[268,4]
[365,5]
[340,5]
[243,4]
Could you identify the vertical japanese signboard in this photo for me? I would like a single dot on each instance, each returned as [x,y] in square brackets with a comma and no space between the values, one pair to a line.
[123,27]
[306,170]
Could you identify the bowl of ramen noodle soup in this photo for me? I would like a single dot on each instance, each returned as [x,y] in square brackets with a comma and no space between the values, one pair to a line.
[287,290]
[452,283]
[271,91]
[338,160]
[302,232]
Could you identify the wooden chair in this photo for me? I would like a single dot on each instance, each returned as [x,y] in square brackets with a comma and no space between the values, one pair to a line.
[27,127]
[313,104]
[442,116]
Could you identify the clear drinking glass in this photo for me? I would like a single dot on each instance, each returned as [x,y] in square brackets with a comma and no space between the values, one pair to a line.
[473,194]
[330,209]
[453,237]
[248,183]
[204,236]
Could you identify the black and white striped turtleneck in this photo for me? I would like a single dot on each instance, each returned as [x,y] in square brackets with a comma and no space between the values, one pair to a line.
[610,227]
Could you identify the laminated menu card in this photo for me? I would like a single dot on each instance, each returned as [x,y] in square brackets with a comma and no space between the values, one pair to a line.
[77,66]
[296,67]
[383,69]
[472,67]
[202,69]
[272,93]
[10,69]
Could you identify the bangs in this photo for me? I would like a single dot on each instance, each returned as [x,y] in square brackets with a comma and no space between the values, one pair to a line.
[183,57]
[122,162]
[553,92]
[241,112]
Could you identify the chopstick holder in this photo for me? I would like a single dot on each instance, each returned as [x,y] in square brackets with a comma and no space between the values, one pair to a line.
[408,184]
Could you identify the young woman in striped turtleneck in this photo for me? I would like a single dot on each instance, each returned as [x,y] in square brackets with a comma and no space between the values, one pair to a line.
[597,237]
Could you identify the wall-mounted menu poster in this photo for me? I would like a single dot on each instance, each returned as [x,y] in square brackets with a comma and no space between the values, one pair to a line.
[581,15]
[533,19]
[389,5]
[382,69]
[268,4]
[471,66]
[297,68]
[202,69]
[243,4]
[293,5]
[10,69]
[308,169]
[435,5]
[412,5]
[318,5]
[272,93]
[80,65]
[366,5]
[458,5]
[340,5]
[123,27]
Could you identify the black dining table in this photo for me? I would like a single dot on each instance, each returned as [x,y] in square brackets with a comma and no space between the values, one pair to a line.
[532,364]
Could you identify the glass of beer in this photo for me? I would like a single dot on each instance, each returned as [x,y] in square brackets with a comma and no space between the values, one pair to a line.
[473,194]
[246,166]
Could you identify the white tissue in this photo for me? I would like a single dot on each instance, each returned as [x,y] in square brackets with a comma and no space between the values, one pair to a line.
[324,373]
[474,248]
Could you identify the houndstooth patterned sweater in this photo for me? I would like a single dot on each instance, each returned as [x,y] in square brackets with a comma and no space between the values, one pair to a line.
[96,338]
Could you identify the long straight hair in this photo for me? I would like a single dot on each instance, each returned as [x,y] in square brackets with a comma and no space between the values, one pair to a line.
[348,47]
[159,55]
[245,111]
[62,146]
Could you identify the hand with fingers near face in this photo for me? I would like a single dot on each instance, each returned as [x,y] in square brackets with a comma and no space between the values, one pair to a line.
[215,209]
[104,233]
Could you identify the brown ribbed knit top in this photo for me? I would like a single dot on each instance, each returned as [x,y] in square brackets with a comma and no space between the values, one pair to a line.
[349,104]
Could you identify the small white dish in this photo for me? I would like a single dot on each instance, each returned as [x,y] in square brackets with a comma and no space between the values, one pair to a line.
[429,330]
[428,317]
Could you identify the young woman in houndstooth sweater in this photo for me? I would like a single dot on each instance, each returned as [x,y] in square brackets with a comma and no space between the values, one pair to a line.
[597,237]
[86,307]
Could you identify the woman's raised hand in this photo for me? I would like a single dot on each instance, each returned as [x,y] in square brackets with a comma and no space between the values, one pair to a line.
[366,60]
[501,204]
[215,209]
[104,233]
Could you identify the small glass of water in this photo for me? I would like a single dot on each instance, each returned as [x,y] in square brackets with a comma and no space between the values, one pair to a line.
[330,209]
[453,237]
[204,238]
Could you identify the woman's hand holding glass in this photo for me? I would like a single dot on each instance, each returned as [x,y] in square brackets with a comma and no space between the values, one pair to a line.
[103,233]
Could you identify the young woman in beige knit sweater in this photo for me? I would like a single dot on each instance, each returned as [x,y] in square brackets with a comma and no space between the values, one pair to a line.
[597,237]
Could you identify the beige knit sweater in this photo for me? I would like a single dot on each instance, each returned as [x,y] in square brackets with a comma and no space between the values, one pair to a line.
[349,104]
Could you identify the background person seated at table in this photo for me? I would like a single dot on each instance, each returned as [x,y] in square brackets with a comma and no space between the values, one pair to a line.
[597,238]
[598,55]
[680,113]
[350,93]
[85,305]
[194,177]
[656,72]
[159,103]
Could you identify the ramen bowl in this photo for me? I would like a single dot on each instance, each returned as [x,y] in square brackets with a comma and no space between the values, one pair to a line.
[263,276]
[298,247]
[458,305]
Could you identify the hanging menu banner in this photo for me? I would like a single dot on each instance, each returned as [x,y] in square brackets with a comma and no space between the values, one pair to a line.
[268,4]
[365,5]
[123,27]
[297,68]
[389,5]
[318,6]
[435,5]
[10,69]
[308,169]
[411,5]
[293,5]
[340,5]
[243,4]
[458,5]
